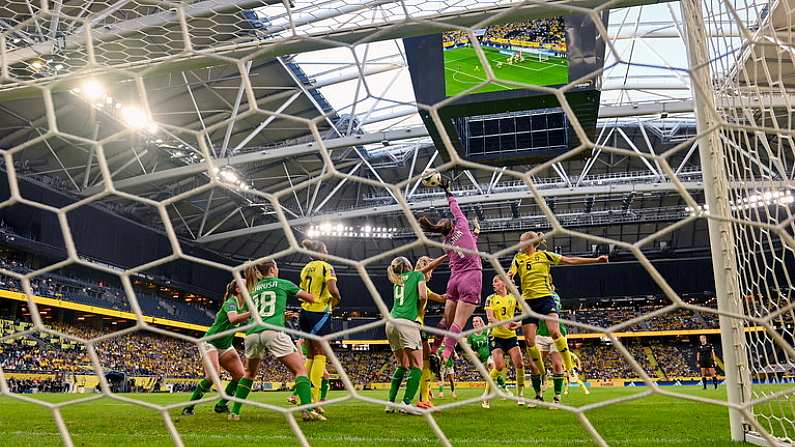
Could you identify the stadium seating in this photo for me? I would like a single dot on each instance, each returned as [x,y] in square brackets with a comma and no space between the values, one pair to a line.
[149,354]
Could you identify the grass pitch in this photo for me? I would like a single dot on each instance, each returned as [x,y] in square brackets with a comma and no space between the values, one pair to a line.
[462,70]
[649,421]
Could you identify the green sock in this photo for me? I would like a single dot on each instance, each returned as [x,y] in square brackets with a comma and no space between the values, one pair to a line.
[243,388]
[412,385]
[324,389]
[557,380]
[203,387]
[536,380]
[295,390]
[501,380]
[304,389]
[230,389]
[397,379]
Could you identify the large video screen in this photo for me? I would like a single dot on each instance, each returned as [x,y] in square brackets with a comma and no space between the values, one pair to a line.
[532,52]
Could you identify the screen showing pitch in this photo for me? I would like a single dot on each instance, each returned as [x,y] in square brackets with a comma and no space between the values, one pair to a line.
[531,52]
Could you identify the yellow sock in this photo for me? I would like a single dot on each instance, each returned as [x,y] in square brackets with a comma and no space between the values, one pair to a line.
[425,381]
[520,380]
[563,348]
[535,356]
[308,365]
[316,376]
[493,374]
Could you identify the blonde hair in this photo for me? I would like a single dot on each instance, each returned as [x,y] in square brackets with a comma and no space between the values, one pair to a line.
[252,275]
[397,267]
[421,263]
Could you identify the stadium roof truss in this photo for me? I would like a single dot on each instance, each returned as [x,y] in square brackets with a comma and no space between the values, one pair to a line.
[357,97]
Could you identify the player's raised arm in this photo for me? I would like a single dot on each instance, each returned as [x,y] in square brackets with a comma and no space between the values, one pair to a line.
[455,209]
[434,264]
[575,260]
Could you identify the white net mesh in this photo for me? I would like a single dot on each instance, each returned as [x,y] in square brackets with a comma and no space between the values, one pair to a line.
[138,51]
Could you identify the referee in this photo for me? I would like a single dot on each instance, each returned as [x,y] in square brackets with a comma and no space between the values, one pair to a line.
[706,359]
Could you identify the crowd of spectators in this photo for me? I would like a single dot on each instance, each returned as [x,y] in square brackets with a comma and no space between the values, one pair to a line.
[606,316]
[542,31]
[150,354]
[28,386]
[79,288]
[659,358]
[548,30]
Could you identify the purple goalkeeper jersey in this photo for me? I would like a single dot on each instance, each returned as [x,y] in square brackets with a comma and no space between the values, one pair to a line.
[461,236]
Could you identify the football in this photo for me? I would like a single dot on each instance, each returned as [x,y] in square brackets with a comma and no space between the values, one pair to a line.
[431,179]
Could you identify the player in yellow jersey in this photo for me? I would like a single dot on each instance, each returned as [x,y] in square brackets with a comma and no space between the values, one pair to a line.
[426,265]
[533,269]
[501,307]
[317,278]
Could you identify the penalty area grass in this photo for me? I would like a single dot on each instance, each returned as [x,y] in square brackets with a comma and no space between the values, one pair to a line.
[648,421]
[462,70]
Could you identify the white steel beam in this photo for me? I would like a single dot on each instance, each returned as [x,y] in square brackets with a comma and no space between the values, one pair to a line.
[268,155]
[464,200]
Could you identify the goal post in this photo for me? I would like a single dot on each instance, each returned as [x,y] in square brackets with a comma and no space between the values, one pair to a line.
[747,159]
[718,207]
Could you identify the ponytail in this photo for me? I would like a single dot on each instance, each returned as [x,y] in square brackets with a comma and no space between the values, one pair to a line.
[397,267]
[252,275]
[431,227]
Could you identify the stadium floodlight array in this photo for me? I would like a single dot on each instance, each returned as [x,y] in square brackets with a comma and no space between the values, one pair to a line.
[745,146]
[341,230]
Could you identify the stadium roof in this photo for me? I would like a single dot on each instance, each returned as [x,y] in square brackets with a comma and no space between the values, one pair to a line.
[360,101]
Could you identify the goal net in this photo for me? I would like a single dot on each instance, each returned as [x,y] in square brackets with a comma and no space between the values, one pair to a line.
[145,47]
[752,91]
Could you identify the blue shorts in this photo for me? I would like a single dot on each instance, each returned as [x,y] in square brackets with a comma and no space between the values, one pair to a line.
[543,306]
[315,323]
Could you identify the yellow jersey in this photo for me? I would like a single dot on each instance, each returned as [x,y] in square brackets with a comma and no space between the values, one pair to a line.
[314,279]
[423,306]
[534,273]
[504,308]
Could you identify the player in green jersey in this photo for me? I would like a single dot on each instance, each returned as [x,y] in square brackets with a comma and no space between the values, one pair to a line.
[479,340]
[447,371]
[403,331]
[218,350]
[269,297]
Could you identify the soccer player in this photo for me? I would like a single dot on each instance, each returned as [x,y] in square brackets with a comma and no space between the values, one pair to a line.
[549,350]
[319,280]
[219,352]
[501,308]
[324,387]
[426,265]
[404,334]
[447,371]
[466,276]
[532,266]
[269,297]
[706,360]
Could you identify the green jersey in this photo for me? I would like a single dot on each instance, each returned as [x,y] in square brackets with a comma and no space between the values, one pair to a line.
[542,325]
[222,323]
[270,299]
[407,296]
[480,344]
